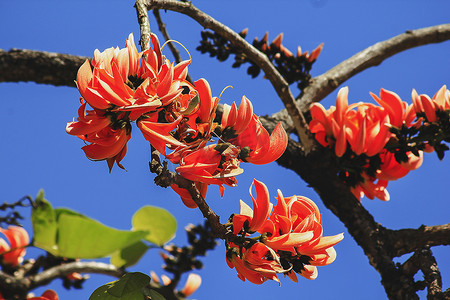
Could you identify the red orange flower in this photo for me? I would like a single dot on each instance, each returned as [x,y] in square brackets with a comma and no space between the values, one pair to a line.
[108,140]
[291,238]
[439,102]
[258,263]
[364,129]
[242,128]
[18,239]
[122,81]
[123,85]
[127,86]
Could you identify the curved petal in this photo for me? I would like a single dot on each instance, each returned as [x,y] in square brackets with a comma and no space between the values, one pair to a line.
[261,206]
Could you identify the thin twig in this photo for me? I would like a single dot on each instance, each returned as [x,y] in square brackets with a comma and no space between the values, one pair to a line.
[173,49]
[144,24]
[167,178]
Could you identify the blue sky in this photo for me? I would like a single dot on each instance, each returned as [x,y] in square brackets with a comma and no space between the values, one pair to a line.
[37,153]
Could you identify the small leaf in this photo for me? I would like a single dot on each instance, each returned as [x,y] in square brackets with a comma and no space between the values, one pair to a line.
[160,224]
[130,255]
[129,287]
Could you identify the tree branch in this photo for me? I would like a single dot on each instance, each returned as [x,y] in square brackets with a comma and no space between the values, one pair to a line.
[91,267]
[20,286]
[324,84]
[409,240]
[143,23]
[39,66]
[278,82]
[424,260]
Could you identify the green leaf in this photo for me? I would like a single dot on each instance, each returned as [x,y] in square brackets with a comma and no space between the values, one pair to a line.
[82,237]
[67,233]
[159,222]
[154,295]
[44,223]
[128,287]
[130,255]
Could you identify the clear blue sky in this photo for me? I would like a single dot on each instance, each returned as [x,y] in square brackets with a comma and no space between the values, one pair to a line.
[37,153]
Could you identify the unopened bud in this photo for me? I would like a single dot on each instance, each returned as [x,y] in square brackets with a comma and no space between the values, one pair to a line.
[192,284]
[244,32]
[315,53]
[265,37]
[277,41]
[299,51]
[286,51]
[165,279]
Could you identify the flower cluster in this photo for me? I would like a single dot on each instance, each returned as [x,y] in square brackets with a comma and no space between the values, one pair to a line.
[359,134]
[291,238]
[144,87]
[18,239]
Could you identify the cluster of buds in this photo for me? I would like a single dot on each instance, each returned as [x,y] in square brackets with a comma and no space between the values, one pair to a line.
[292,68]
[145,87]
[290,238]
[379,143]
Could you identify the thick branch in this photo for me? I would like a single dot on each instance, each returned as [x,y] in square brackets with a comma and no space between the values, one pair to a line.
[323,85]
[409,240]
[280,85]
[39,66]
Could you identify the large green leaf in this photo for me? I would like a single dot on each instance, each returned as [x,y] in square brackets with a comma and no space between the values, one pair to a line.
[130,255]
[128,287]
[66,233]
[160,224]
[82,237]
